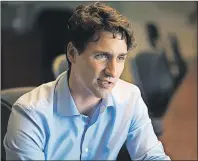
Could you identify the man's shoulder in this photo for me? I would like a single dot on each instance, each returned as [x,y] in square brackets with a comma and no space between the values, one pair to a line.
[126,87]
[40,96]
[125,90]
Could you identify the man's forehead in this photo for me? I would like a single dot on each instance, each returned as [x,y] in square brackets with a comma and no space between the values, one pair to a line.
[107,35]
[108,44]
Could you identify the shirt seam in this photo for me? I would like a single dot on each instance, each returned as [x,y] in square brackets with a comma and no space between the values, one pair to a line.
[31,111]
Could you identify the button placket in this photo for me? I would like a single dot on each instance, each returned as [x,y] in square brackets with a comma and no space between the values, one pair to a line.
[84,148]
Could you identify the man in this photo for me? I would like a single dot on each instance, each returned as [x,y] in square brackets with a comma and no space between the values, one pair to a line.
[87,113]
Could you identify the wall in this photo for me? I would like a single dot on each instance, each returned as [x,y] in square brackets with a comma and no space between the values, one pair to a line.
[170,17]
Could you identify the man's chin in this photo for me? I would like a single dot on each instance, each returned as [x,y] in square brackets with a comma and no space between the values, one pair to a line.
[102,94]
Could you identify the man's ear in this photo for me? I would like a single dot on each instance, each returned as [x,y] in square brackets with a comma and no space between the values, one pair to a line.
[71,52]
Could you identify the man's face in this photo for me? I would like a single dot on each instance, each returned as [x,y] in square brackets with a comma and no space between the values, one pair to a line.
[100,65]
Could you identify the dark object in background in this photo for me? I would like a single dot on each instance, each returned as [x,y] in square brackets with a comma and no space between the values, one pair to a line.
[5,110]
[52,24]
[12,94]
[153,34]
[179,62]
[123,154]
[152,75]
[192,18]
[20,59]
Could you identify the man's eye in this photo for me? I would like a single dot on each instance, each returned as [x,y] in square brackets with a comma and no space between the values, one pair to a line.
[101,56]
[121,58]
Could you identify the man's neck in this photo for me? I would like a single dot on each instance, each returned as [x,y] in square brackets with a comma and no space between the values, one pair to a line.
[85,102]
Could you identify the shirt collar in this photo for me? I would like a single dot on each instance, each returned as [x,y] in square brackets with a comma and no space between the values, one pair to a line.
[106,102]
[65,103]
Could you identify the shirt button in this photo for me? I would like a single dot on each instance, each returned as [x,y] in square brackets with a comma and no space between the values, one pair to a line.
[86,150]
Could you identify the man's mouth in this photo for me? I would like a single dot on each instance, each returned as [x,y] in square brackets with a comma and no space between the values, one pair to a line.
[105,84]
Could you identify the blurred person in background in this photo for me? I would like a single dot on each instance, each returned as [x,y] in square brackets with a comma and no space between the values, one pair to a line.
[153,35]
[87,113]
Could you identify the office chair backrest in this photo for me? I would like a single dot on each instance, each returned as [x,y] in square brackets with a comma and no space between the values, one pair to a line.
[152,74]
[59,65]
[12,94]
[5,110]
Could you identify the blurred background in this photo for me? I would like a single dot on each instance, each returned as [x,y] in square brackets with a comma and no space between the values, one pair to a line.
[163,64]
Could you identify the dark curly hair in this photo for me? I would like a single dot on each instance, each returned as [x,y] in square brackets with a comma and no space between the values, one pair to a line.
[87,20]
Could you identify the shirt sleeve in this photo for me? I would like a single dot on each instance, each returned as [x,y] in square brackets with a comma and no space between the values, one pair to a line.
[142,143]
[25,138]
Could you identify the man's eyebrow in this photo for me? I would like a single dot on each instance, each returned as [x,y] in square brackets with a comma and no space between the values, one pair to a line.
[109,53]
[123,54]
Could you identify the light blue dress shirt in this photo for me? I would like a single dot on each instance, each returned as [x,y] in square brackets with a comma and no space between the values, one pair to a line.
[45,124]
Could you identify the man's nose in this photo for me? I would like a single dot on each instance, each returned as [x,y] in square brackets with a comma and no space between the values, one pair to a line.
[111,69]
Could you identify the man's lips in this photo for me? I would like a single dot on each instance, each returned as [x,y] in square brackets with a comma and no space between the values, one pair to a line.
[105,83]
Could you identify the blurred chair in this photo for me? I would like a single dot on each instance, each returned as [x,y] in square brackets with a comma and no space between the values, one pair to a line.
[8,98]
[12,94]
[152,75]
[5,114]
[59,65]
